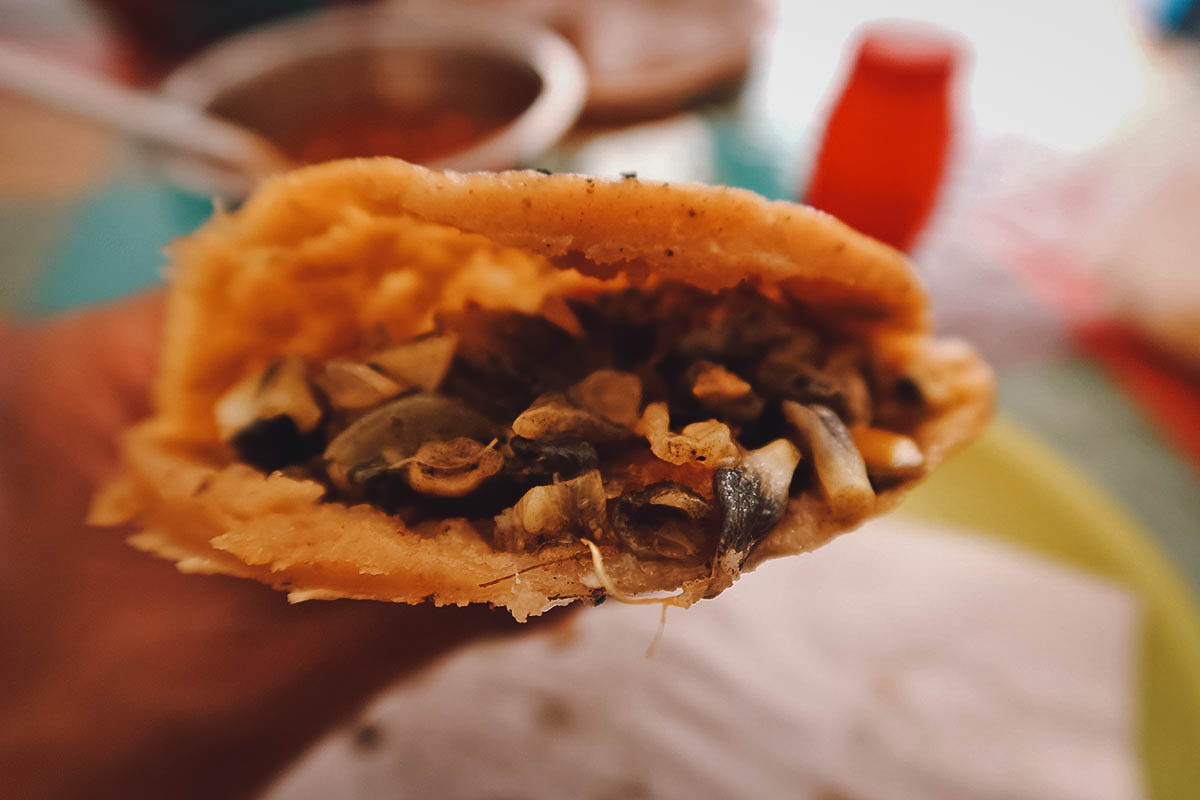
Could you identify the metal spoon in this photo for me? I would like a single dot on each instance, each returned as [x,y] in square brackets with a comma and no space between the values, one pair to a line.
[144,115]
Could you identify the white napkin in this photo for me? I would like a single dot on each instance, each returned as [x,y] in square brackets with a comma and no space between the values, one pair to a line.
[897,663]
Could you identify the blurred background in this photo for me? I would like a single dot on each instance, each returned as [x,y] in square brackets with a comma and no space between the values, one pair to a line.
[1036,157]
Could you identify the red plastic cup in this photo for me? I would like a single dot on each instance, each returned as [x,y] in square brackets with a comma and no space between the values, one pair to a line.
[885,147]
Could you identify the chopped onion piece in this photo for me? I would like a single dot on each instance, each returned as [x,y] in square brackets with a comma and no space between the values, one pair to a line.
[773,465]
[723,391]
[422,362]
[887,454]
[838,464]
[282,390]
[547,513]
[552,416]
[714,384]
[710,442]
[452,468]
[352,386]
[616,396]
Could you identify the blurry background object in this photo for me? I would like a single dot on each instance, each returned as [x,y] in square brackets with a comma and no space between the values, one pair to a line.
[1175,16]
[1146,228]
[884,151]
[460,89]
[644,57]
[649,57]
[160,33]
[236,157]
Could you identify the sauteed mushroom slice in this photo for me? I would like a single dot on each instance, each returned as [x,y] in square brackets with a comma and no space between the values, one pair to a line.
[615,396]
[752,497]
[452,468]
[382,439]
[553,416]
[271,419]
[838,464]
[555,512]
[660,521]
[506,360]
[845,368]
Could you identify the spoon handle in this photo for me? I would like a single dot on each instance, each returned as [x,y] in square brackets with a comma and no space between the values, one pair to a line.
[144,115]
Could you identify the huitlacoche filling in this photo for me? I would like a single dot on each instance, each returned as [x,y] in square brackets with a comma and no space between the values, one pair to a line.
[670,423]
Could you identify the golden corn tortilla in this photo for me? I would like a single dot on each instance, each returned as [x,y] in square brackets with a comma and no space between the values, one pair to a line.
[322,257]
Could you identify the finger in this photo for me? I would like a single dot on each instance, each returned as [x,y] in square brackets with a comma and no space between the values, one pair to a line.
[79,378]
[131,337]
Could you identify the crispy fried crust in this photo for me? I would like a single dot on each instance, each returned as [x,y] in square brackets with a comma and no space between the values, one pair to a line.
[321,258]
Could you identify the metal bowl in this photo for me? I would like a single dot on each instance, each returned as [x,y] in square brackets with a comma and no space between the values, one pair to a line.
[274,78]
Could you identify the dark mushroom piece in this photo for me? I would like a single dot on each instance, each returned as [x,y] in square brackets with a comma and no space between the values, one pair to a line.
[752,497]
[452,468]
[837,462]
[271,419]
[384,439]
[660,521]
[537,461]
[781,377]
[844,366]
[506,360]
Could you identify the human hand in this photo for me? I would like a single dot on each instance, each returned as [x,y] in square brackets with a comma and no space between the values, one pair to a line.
[119,676]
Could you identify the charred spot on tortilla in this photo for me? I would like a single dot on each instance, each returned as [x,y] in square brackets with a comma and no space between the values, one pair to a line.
[615,389]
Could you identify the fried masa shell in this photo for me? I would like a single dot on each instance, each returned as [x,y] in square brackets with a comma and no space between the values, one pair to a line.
[321,259]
